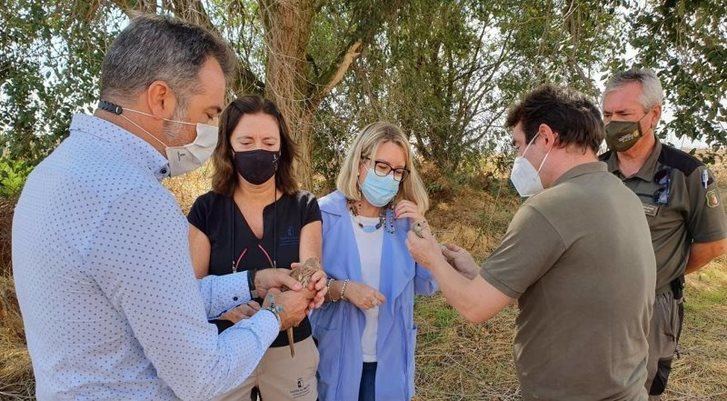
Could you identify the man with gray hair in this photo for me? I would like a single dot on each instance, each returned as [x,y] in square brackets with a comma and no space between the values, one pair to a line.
[110,304]
[680,199]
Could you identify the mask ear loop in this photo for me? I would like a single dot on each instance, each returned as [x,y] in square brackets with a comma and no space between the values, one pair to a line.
[545,158]
[530,143]
[165,119]
[139,126]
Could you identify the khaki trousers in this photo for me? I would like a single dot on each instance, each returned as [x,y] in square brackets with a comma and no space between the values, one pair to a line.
[282,378]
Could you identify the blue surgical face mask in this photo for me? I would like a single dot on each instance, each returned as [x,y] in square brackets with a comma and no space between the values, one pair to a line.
[379,191]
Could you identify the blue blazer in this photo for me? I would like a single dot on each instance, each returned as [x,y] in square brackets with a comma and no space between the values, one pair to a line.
[338,326]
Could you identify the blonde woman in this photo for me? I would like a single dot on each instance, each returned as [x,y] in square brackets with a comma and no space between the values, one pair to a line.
[365,330]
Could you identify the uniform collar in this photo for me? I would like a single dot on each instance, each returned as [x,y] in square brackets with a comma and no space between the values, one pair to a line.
[581,169]
[646,172]
[134,148]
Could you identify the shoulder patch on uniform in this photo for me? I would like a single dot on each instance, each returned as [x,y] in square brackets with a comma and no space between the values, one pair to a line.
[604,156]
[678,159]
[712,198]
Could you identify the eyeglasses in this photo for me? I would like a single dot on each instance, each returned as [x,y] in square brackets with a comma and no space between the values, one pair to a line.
[382,169]
[663,178]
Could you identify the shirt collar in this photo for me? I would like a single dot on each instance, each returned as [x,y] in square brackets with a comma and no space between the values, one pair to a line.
[136,149]
[581,169]
[646,172]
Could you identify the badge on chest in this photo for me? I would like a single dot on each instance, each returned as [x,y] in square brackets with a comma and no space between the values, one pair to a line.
[650,209]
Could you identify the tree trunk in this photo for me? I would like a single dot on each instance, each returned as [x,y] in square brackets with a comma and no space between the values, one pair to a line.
[288,26]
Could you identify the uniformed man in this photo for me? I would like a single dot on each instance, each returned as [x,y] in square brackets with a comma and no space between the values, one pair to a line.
[680,199]
[577,256]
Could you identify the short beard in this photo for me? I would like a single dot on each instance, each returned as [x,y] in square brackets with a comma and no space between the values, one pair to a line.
[171,130]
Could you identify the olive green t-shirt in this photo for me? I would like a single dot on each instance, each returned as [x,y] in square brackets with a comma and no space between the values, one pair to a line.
[681,202]
[578,258]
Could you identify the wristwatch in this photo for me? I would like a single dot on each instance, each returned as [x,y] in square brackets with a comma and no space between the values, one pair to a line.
[275,308]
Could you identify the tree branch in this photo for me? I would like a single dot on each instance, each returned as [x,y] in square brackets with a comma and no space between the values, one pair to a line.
[334,76]
[133,8]
[193,11]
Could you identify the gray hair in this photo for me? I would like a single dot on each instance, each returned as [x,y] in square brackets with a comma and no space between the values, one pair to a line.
[652,93]
[160,48]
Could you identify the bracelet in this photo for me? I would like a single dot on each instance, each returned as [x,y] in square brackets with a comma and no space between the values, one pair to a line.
[329,281]
[343,289]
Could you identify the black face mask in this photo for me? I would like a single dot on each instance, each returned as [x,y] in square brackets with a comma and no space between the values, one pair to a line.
[256,166]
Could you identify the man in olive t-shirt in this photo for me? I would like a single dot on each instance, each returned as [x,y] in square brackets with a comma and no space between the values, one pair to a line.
[577,256]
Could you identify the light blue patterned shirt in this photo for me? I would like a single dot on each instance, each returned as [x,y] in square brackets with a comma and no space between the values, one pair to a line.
[103,274]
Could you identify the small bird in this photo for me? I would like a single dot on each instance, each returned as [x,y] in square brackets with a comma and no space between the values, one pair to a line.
[303,274]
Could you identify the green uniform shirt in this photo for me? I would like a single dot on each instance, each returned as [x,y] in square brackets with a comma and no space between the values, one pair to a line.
[681,202]
[578,258]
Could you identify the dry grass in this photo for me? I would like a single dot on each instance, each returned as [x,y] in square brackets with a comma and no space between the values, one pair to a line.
[16,376]
[6,220]
[456,360]
[188,187]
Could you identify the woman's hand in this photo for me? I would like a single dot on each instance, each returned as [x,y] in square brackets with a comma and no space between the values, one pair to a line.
[363,296]
[244,311]
[408,209]
[316,284]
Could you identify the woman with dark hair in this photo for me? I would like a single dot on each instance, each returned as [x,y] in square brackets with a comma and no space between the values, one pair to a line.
[256,218]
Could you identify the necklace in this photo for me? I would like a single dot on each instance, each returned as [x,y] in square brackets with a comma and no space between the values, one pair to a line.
[367,228]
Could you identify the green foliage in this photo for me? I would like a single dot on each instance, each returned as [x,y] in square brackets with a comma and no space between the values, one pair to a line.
[685,41]
[50,55]
[12,176]
[448,78]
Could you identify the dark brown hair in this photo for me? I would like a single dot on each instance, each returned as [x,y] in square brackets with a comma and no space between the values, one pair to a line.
[224,178]
[567,112]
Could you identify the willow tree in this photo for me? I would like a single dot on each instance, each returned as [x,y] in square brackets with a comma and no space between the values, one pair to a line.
[293,51]
[448,70]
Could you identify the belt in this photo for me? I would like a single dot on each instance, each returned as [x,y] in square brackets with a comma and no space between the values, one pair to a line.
[675,287]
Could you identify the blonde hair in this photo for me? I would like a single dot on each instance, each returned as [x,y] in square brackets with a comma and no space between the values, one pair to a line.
[366,144]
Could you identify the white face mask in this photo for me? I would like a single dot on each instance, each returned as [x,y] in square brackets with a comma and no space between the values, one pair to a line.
[524,176]
[189,157]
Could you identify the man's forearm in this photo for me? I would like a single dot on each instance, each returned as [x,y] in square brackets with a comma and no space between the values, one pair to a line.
[702,253]
[456,288]
[221,293]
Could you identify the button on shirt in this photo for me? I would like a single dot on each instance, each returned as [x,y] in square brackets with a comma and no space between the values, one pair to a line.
[105,283]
